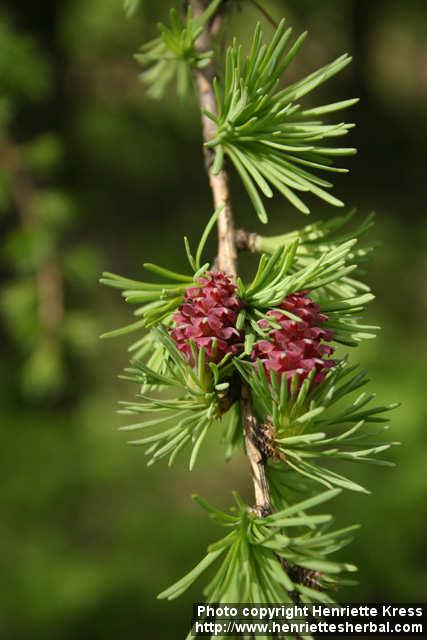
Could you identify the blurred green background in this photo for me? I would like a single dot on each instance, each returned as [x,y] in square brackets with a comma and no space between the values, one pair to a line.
[94,176]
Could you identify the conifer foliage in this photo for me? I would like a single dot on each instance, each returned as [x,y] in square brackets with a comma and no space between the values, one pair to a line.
[263,362]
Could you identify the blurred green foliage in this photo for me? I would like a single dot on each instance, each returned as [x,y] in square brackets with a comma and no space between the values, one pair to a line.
[89,535]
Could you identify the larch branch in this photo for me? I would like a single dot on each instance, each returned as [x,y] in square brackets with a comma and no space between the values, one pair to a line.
[227,250]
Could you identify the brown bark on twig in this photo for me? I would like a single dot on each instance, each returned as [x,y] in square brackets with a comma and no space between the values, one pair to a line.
[227,255]
[245,240]
[256,458]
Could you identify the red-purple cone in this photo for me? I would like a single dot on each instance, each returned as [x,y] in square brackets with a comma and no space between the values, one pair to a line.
[297,347]
[208,318]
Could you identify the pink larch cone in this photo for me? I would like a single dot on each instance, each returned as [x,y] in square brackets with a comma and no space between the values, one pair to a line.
[297,347]
[208,318]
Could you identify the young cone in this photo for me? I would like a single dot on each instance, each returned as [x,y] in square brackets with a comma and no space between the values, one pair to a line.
[207,317]
[298,346]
